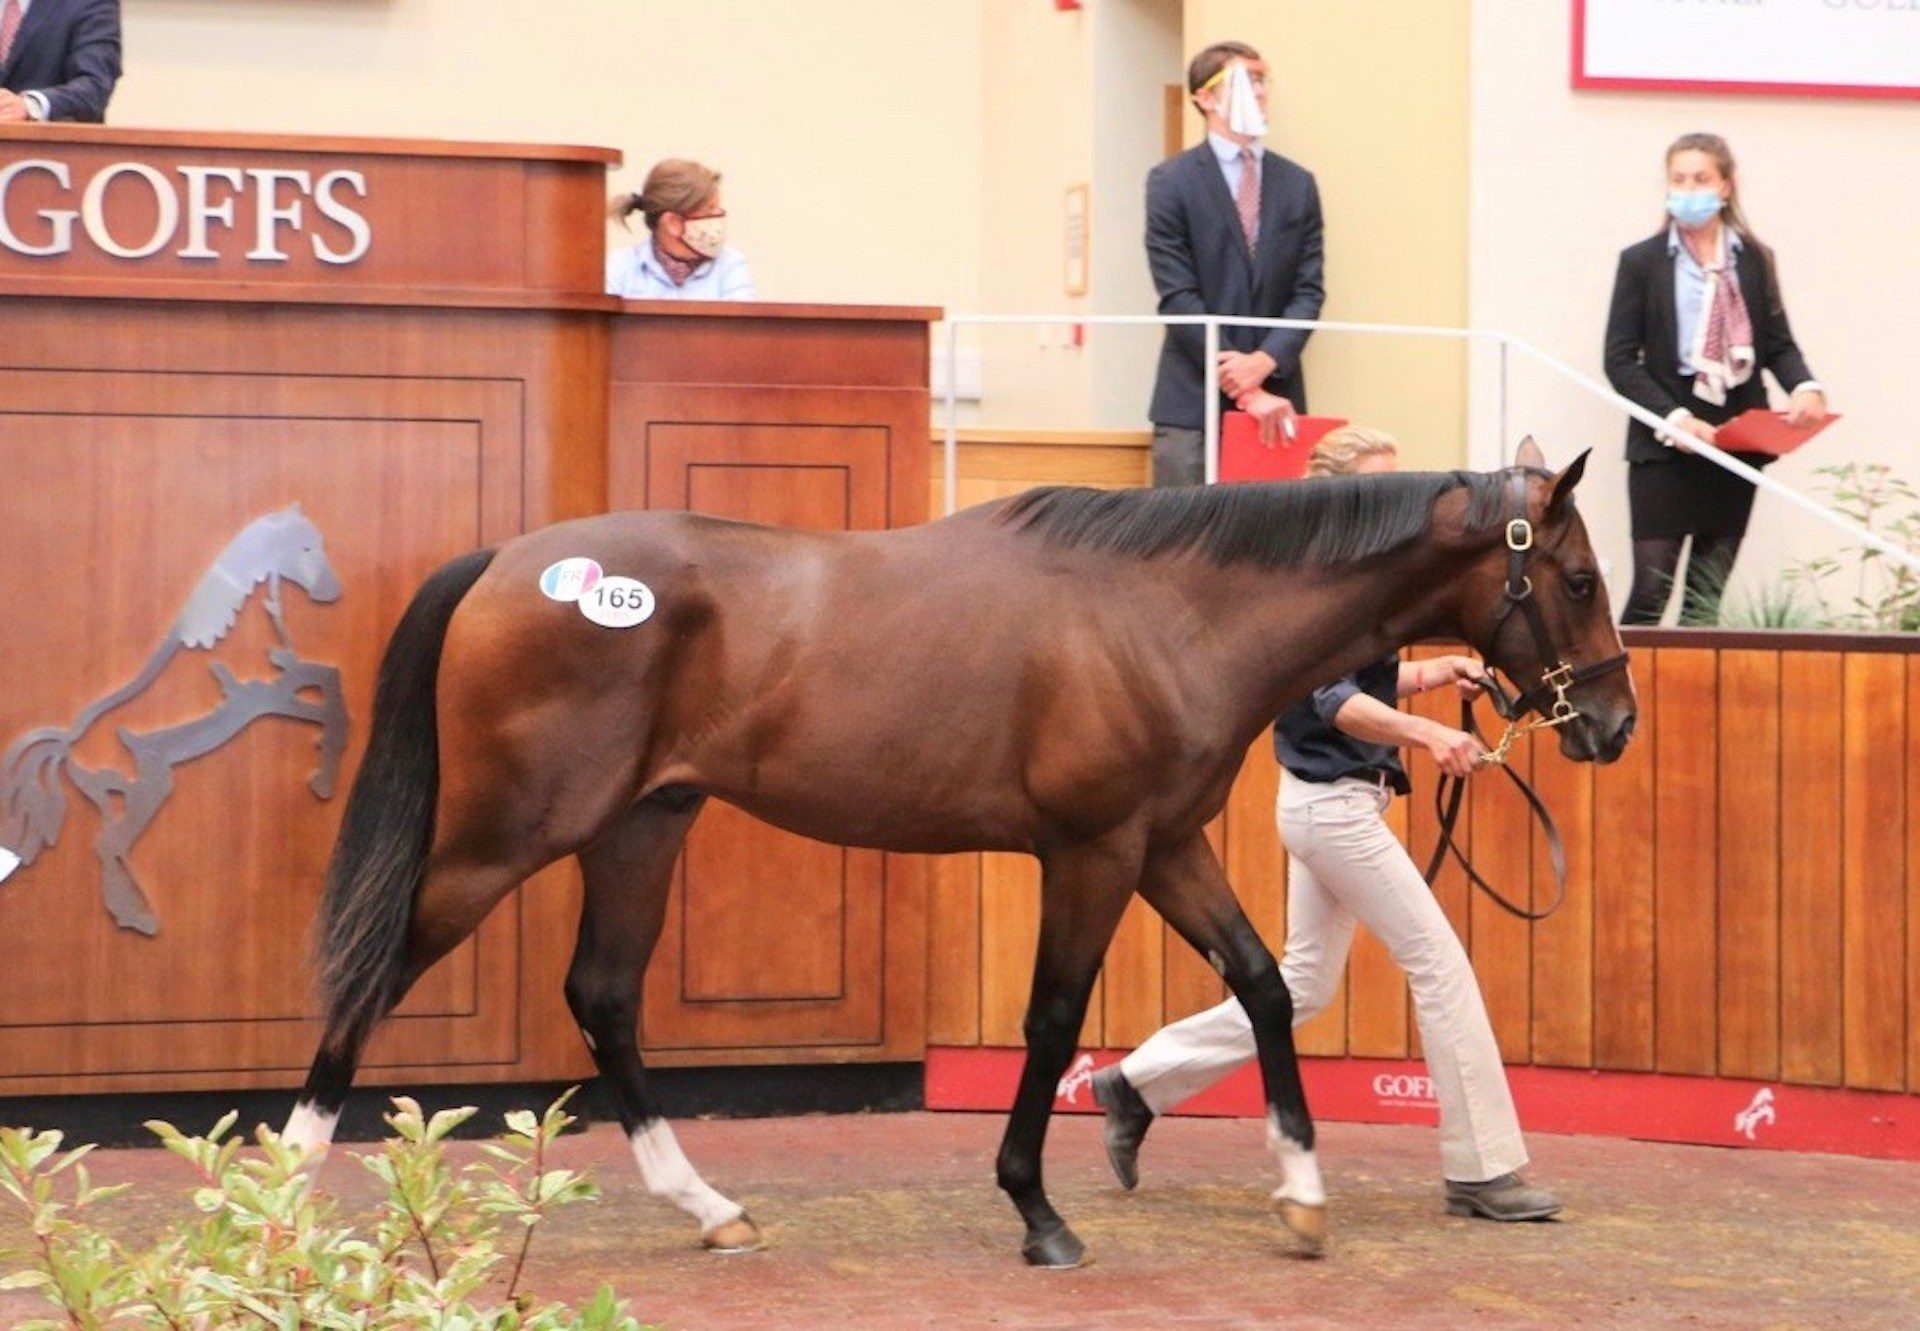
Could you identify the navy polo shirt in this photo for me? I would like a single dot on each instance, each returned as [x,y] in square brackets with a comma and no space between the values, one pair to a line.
[1308,745]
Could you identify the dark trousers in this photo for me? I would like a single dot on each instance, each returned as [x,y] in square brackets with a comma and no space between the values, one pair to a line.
[1656,560]
[1179,455]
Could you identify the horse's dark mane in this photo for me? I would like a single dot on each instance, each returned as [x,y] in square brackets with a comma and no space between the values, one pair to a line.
[1329,520]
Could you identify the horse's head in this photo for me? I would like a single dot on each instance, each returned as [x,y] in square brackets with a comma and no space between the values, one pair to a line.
[298,555]
[1536,607]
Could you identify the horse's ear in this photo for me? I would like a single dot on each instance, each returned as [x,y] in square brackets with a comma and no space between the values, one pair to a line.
[1562,493]
[1529,455]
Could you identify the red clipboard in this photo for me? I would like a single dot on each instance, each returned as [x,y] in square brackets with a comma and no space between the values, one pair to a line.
[1763,431]
[1244,458]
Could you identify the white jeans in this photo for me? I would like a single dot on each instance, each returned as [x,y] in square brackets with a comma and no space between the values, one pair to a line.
[1344,864]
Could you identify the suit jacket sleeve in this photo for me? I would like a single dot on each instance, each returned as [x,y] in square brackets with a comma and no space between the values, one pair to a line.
[92,66]
[1309,292]
[1783,355]
[1626,341]
[1170,261]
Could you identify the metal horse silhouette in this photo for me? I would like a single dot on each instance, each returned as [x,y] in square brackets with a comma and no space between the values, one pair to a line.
[281,547]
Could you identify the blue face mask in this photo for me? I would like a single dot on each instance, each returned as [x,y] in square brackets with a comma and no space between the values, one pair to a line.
[1696,208]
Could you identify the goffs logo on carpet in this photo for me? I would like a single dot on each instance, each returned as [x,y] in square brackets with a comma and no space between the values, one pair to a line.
[1404,1089]
[1080,1074]
[1759,1111]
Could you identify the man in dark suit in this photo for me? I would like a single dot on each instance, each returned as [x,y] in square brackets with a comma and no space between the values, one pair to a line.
[59,59]
[1231,229]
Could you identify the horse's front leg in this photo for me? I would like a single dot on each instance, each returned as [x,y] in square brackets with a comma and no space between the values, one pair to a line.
[329,712]
[1083,890]
[1186,885]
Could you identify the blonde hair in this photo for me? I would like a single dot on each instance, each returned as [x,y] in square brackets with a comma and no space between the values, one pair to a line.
[1346,448]
[675,185]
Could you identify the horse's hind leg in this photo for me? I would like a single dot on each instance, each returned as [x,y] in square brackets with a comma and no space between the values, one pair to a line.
[1083,891]
[628,871]
[461,886]
[122,825]
[1186,885]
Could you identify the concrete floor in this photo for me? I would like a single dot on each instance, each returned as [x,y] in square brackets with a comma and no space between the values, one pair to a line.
[893,1221]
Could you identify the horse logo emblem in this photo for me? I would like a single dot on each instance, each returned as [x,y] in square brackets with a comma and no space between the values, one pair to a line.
[279,548]
[1760,1110]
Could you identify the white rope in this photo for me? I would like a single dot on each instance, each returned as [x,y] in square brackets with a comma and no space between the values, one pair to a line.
[1212,324]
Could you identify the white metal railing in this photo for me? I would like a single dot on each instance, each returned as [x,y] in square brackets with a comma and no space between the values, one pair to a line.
[1211,325]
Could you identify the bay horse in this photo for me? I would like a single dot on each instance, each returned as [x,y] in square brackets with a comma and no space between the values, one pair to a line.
[1074,674]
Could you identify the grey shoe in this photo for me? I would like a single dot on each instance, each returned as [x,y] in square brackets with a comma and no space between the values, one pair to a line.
[1508,1197]
[1127,1121]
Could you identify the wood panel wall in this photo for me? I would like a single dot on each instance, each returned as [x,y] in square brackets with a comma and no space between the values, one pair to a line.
[1744,885]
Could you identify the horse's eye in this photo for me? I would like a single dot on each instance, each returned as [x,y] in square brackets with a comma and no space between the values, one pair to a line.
[1580,586]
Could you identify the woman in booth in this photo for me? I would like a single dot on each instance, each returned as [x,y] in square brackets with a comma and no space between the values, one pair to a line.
[1696,316]
[686,255]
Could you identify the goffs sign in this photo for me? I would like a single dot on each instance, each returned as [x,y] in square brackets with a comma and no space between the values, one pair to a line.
[275,208]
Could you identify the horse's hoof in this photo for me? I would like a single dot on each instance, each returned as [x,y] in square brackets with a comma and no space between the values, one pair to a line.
[1307,1224]
[737,1235]
[1054,1250]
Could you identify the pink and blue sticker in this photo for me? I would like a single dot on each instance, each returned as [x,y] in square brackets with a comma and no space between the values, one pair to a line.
[570,579]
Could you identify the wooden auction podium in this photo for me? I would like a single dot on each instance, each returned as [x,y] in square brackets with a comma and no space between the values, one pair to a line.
[799,416]
[253,389]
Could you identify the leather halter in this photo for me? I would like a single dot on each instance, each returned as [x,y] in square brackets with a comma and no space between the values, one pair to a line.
[1548,699]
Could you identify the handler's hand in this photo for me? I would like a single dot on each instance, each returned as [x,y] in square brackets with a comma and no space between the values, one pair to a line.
[13,108]
[1270,414]
[1698,428]
[1241,372]
[1457,752]
[1807,407]
[1464,672]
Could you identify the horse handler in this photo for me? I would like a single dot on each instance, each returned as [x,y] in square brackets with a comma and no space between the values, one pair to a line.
[1338,752]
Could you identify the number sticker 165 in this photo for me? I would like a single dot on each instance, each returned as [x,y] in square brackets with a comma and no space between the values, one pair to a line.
[618,603]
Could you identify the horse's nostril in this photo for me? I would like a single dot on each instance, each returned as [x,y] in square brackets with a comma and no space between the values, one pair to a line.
[1624,731]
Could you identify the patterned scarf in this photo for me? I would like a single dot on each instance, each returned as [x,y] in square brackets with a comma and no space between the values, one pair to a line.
[1722,351]
[678,270]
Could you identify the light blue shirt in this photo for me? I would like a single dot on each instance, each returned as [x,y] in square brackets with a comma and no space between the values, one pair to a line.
[1227,153]
[635,274]
[1690,287]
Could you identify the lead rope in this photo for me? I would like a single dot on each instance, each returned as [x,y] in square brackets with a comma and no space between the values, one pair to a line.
[1451,791]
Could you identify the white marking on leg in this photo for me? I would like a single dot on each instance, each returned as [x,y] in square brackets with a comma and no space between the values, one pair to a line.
[669,1174]
[1299,1169]
[8,863]
[311,1129]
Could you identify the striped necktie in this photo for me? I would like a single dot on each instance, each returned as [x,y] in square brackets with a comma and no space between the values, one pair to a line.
[9,28]
[1246,199]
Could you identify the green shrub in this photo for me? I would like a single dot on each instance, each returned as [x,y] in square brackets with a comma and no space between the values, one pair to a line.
[445,1249]
[1860,588]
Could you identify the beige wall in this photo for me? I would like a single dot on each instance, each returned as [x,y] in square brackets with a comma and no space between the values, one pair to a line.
[1371,96]
[845,144]
[1563,180]
[1035,109]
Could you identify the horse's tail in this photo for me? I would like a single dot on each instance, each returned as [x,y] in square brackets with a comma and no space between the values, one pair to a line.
[33,807]
[386,832]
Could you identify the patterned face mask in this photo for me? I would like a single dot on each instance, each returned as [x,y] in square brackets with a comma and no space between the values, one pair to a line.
[705,235]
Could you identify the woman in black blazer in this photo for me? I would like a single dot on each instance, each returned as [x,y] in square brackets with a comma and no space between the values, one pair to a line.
[1696,317]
